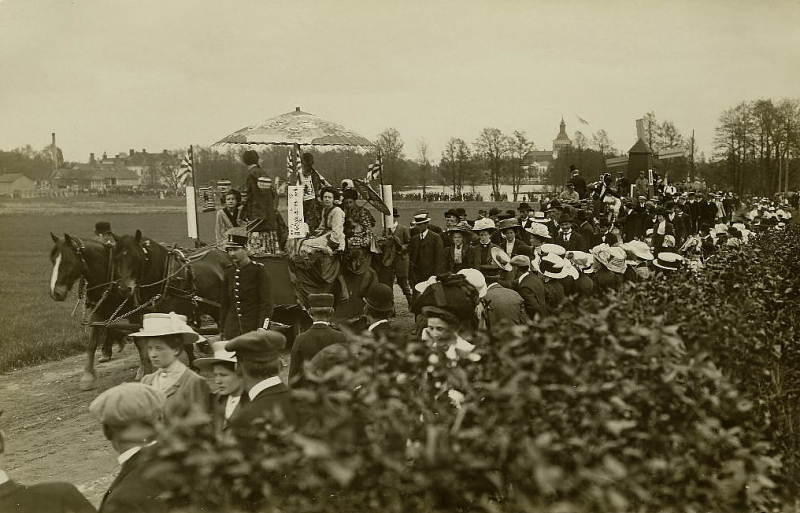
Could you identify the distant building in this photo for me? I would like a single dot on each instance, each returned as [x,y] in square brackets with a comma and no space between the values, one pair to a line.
[16,184]
[562,141]
[538,163]
[132,170]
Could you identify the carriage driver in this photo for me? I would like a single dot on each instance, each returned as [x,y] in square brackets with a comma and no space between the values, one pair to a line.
[246,302]
[102,231]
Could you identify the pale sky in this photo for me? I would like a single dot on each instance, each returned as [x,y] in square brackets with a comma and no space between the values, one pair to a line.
[163,74]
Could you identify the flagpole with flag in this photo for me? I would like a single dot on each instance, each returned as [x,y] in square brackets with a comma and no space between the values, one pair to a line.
[187,172]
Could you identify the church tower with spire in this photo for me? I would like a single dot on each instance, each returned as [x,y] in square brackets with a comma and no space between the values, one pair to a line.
[562,141]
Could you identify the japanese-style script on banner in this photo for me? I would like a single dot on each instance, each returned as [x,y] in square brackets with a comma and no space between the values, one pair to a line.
[294,198]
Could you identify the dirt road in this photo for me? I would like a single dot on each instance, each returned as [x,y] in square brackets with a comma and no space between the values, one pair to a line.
[50,434]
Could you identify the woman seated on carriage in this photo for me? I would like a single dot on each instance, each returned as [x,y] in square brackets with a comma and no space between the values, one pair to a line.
[329,237]
[358,223]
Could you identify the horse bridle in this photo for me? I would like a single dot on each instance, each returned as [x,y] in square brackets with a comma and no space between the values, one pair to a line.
[77,244]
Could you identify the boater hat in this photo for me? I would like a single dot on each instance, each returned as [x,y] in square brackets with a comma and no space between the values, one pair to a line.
[539,217]
[637,250]
[420,218]
[160,324]
[220,356]
[552,266]
[501,259]
[552,249]
[668,261]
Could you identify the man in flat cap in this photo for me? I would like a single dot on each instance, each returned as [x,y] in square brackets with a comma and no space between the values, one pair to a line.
[319,336]
[131,414]
[258,361]
[43,497]
[529,285]
[246,302]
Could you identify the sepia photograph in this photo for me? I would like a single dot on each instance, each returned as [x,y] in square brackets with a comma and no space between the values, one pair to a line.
[444,256]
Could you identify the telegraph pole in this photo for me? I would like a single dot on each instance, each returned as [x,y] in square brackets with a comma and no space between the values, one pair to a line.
[691,167]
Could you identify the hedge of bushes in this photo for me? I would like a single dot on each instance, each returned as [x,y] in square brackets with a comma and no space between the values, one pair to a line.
[678,395]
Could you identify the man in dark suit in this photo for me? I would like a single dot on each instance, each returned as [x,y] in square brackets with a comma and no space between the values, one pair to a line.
[427,251]
[258,356]
[316,337]
[379,308]
[529,286]
[246,303]
[568,238]
[578,181]
[131,414]
[634,224]
[501,305]
[400,236]
[38,498]
[418,228]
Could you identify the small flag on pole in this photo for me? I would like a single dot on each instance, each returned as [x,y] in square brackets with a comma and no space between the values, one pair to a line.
[374,170]
[583,121]
[186,168]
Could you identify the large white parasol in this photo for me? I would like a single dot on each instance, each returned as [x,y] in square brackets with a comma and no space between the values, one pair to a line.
[301,128]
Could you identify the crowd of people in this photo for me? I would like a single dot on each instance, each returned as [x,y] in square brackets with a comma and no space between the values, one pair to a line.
[472,274]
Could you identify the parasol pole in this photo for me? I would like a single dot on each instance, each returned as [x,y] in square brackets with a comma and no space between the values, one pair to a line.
[191,205]
[380,177]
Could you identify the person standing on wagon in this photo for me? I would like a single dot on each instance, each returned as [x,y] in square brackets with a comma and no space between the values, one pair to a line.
[246,302]
[261,208]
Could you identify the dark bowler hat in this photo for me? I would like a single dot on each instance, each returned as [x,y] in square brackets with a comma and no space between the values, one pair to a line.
[320,300]
[258,345]
[236,241]
[524,207]
[380,297]
[102,228]
[565,218]
[461,212]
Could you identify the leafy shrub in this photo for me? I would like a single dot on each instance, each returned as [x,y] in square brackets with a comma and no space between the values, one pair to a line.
[673,396]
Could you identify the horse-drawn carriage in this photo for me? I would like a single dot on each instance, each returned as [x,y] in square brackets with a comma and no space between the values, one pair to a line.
[140,275]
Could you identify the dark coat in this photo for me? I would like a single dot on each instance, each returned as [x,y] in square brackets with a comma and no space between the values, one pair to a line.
[587,231]
[605,279]
[531,288]
[309,343]
[576,242]
[503,305]
[382,329]
[426,258]
[658,240]
[269,403]
[634,226]
[481,256]
[246,299]
[467,258]
[261,203]
[136,489]
[218,419]
[42,498]
[519,248]
[553,296]
[416,229]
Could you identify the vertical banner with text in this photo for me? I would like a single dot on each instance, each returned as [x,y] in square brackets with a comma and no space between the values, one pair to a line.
[294,200]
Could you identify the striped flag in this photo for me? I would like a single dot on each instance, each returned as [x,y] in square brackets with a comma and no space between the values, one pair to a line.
[186,168]
[374,170]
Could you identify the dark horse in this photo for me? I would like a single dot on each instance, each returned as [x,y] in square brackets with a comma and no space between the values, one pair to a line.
[173,282]
[75,259]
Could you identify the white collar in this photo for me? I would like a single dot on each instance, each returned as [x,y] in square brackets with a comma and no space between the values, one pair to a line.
[263,385]
[326,323]
[372,326]
[523,276]
[492,285]
[130,453]
[3,477]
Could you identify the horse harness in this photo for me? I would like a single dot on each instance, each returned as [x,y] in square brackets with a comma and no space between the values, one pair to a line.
[83,289]
[179,278]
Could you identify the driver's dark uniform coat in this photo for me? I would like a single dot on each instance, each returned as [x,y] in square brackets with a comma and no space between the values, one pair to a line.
[246,299]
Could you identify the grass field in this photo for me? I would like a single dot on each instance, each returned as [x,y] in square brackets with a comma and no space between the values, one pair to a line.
[36,328]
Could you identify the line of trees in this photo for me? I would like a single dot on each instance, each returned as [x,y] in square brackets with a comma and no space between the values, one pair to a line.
[757,145]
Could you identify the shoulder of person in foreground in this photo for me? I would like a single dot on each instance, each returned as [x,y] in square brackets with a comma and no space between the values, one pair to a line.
[56,496]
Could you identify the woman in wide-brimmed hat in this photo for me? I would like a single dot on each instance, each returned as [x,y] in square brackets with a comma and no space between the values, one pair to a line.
[552,271]
[513,234]
[229,394]
[610,265]
[482,248]
[165,336]
[458,254]
[637,256]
